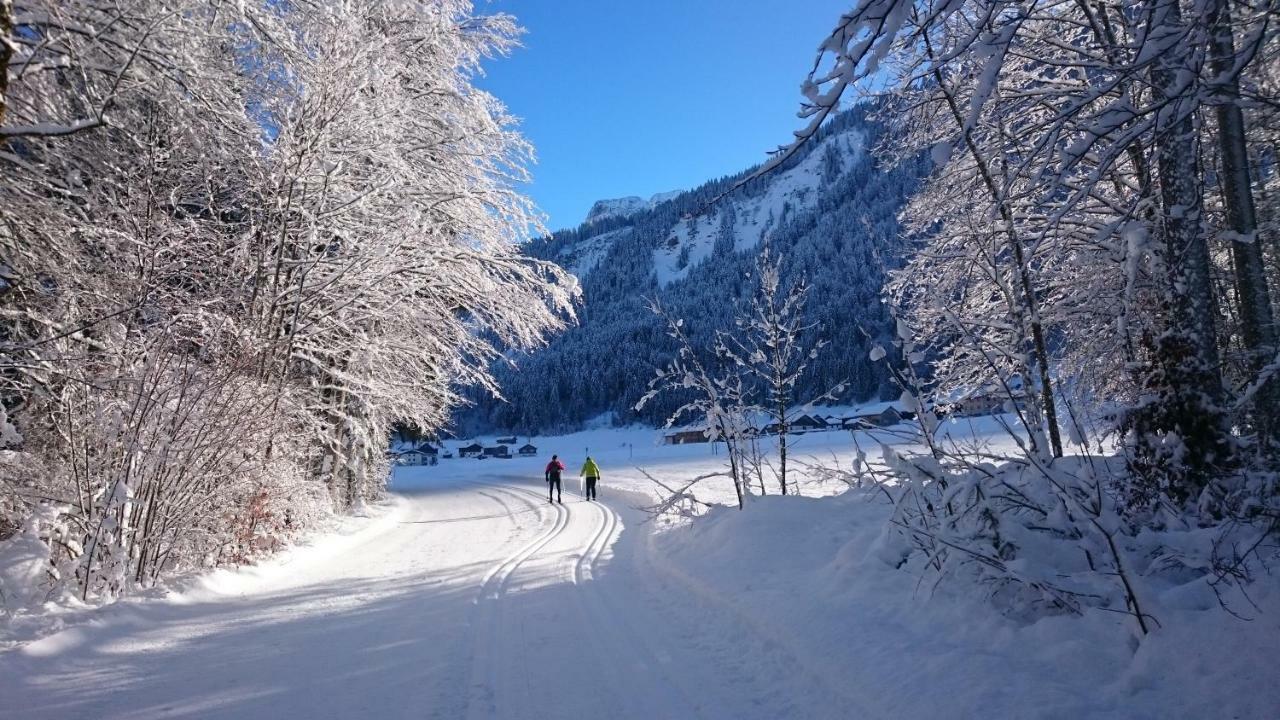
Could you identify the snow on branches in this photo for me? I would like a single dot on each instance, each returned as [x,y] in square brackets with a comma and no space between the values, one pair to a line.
[1067,245]
[751,374]
[1085,251]
[284,231]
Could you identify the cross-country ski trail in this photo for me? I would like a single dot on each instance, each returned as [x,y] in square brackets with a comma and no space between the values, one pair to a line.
[472,598]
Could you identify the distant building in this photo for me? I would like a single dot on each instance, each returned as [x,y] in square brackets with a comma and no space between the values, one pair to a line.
[886,418]
[474,450]
[684,437]
[497,451]
[409,454]
[528,450]
[807,423]
[507,441]
[987,400]
[988,403]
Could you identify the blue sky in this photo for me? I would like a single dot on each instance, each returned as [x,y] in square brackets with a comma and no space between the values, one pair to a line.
[634,98]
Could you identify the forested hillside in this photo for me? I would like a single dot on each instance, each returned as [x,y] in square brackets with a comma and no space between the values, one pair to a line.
[830,211]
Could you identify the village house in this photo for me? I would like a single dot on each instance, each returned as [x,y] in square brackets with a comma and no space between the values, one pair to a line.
[807,423]
[885,418]
[413,454]
[684,437]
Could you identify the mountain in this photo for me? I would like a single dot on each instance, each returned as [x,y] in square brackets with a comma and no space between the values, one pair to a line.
[830,212]
[621,207]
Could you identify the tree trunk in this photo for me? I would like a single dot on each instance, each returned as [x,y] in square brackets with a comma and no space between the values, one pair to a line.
[730,446]
[757,464]
[1187,380]
[6,53]
[1039,348]
[1187,252]
[782,447]
[1257,325]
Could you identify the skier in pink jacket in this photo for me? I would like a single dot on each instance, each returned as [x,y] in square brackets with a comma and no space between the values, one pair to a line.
[554,468]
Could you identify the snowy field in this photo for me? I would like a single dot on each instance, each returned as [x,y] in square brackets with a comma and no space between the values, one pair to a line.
[467,595]
[626,454]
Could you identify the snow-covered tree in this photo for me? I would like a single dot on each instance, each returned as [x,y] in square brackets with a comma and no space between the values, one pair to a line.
[1085,248]
[774,343]
[713,397]
[241,241]
[1065,246]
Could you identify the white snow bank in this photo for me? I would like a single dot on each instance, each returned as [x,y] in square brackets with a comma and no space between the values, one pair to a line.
[25,572]
[31,618]
[310,552]
[807,573]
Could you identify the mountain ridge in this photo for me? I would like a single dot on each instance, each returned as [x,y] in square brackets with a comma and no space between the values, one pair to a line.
[621,207]
[829,211]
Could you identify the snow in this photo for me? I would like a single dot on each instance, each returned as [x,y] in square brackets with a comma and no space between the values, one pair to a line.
[908,651]
[24,564]
[630,205]
[467,595]
[658,198]
[615,207]
[794,190]
[582,258]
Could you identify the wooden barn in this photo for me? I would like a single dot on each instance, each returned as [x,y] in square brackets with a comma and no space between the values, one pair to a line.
[684,437]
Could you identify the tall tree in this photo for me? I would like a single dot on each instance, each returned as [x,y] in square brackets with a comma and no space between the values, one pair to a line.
[240,243]
[1257,324]
[774,344]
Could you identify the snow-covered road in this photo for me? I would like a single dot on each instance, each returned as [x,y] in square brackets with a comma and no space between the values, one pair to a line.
[471,598]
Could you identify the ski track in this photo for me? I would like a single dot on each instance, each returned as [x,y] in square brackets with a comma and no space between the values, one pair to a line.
[479,600]
[635,683]
[495,582]
[584,558]
[487,685]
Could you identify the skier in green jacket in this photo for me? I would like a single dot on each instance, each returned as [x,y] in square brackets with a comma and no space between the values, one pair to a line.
[591,472]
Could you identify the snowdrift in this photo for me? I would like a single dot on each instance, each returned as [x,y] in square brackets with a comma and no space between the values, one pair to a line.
[811,573]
